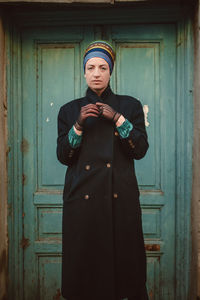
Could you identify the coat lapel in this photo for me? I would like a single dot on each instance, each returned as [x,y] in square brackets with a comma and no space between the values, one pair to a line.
[107,97]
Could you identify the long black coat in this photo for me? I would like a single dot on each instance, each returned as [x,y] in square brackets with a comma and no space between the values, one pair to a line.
[103,247]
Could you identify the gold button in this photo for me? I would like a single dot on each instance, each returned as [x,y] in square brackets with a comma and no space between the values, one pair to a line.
[87,167]
[108,165]
[115,195]
[86,197]
[116,133]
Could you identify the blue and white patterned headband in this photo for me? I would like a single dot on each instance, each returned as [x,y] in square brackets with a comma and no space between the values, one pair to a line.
[100,49]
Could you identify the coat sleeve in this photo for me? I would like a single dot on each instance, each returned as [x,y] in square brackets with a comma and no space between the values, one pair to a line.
[66,154]
[136,143]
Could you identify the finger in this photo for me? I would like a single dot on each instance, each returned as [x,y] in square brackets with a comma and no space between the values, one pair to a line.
[91,111]
[91,115]
[102,104]
[106,110]
[99,103]
[89,108]
[89,105]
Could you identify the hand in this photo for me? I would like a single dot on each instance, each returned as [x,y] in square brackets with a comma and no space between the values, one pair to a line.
[89,110]
[108,112]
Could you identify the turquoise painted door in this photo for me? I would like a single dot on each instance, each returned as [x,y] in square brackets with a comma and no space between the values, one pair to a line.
[52,75]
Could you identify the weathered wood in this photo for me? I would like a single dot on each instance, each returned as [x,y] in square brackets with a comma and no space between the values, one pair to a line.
[3,171]
[42,198]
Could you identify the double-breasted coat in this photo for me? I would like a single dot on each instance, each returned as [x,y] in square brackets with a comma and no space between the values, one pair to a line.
[103,247]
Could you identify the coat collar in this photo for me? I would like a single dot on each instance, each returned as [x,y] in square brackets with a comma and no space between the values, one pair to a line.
[105,96]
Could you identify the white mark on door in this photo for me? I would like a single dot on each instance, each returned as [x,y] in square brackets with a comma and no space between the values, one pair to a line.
[51,103]
[47,120]
[146,110]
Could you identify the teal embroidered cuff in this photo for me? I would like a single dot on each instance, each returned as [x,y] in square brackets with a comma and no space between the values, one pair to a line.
[125,129]
[74,139]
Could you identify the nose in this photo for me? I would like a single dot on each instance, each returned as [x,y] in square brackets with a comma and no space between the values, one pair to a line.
[96,72]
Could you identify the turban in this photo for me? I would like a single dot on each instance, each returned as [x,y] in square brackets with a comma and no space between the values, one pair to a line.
[100,49]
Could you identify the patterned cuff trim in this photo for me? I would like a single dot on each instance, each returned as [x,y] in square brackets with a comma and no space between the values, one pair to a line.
[125,129]
[74,139]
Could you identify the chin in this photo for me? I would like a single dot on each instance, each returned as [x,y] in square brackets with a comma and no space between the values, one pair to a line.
[99,87]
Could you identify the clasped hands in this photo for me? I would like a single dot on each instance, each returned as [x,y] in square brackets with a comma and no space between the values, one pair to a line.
[96,110]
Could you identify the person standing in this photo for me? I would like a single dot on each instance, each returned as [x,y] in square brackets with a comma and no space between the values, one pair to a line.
[99,137]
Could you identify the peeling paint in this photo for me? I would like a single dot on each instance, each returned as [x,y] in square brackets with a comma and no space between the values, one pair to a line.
[24,243]
[10,210]
[8,150]
[152,247]
[57,295]
[3,261]
[24,146]
[24,179]
[151,294]
[146,110]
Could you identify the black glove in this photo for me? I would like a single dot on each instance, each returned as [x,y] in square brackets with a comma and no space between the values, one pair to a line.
[89,110]
[108,112]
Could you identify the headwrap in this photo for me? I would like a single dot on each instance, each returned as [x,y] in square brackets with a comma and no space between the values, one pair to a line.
[100,49]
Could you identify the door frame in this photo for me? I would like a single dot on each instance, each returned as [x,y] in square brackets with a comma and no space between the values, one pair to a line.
[182,18]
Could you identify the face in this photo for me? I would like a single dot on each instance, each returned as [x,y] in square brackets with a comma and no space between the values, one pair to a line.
[97,74]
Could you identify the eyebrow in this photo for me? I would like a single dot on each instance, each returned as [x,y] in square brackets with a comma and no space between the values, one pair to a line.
[91,65]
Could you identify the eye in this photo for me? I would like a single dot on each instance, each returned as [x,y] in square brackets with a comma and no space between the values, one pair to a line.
[89,68]
[104,68]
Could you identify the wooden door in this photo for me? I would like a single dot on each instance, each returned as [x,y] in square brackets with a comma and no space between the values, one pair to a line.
[53,75]
[52,70]
[145,68]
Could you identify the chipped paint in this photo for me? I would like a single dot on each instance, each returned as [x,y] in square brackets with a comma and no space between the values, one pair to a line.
[2,261]
[51,103]
[152,247]
[24,243]
[57,295]
[146,110]
[24,146]
[24,179]
[47,120]
[151,294]
[8,150]
[3,271]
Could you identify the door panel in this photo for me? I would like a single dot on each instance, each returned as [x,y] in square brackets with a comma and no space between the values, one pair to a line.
[138,75]
[52,76]
[146,68]
[58,66]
